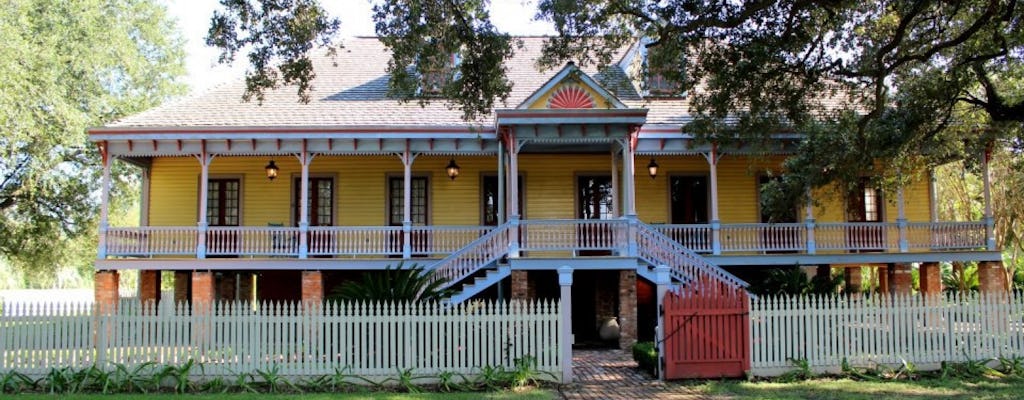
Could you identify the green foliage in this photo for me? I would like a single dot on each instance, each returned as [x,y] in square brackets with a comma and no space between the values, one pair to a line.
[395,284]
[274,381]
[960,277]
[646,356]
[131,379]
[793,281]
[801,371]
[15,382]
[178,375]
[66,66]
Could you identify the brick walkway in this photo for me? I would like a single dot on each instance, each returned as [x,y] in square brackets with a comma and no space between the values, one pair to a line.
[612,374]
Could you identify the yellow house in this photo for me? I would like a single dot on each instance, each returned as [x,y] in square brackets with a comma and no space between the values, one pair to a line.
[284,200]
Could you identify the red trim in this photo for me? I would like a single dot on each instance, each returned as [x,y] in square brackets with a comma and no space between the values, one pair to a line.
[559,114]
[131,145]
[294,130]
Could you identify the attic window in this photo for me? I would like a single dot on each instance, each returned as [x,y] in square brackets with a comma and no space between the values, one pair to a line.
[435,75]
[658,81]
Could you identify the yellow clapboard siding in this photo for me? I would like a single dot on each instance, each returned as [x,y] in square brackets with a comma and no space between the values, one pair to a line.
[549,188]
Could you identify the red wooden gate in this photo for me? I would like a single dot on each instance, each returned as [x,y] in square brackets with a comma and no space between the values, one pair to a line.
[707,331]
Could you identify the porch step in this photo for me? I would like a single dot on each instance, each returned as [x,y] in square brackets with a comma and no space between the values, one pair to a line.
[479,284]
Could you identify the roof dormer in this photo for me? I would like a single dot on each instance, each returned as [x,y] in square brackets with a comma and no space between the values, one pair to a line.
[571,88]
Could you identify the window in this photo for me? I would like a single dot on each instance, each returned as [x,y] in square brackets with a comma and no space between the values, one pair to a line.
[396,200]
[595,197]
[663,73]
[865,203]
[689,199]
[435,75]
[222,202]
[321,201]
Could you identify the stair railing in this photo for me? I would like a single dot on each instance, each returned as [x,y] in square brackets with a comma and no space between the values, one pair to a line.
[471,258]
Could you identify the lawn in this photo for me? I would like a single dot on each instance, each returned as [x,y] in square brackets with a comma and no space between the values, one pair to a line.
[1009,388]
[525,395]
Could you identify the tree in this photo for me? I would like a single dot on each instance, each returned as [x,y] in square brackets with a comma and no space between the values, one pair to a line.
[65,66]
[908,84]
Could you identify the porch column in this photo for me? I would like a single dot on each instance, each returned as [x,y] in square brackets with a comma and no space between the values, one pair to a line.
[930,279]
[991,277]
[513,189]
[628,171]
[520,285]
[852,277]
[106,285]
[501,183]
[149,287]
[312,289]
[565,325]
[616,188]
[662,278]
[812,246]
[990,237]
[204,181]
[900,283]
[627,308]
[933,198]
[104,202]
[901,217]
[716,225]
[304,160]
[407,160]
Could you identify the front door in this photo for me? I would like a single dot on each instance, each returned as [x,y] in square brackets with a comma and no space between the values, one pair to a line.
[863,210]
[418,212]
[223,208]
[594,200]
[688,199]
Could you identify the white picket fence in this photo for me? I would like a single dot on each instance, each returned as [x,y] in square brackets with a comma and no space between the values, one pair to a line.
[370,340]
[882,330]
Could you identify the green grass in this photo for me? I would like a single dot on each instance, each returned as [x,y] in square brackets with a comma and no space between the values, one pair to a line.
[523,395]
[1008,388]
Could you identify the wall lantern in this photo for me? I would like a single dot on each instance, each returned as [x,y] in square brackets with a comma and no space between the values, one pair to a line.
[652,169]
[271,170]
[452,169]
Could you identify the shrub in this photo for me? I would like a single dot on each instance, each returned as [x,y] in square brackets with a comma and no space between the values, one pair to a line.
[646,356]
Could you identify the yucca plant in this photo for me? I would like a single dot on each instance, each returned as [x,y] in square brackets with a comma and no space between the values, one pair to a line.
[394,284]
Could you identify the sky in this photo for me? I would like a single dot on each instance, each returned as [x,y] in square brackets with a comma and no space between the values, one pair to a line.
[193,17]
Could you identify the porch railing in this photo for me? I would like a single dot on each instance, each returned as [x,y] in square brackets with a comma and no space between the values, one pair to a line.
[541,236]
[573,235]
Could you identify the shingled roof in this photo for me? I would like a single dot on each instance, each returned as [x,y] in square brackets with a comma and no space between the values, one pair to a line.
[350,89]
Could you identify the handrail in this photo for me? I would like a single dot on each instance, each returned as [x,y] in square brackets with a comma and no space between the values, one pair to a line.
[685,264]
[469,259]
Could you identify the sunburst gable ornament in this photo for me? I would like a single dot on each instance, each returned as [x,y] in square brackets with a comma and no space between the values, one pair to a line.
[571,97]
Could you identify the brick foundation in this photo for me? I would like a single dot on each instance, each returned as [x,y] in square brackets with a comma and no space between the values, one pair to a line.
[520,285]
[106,284]
[627,309]
[182,286]
[930,279]
[901,283]
[149,287]
[991,277]
[312,288]
[203,293]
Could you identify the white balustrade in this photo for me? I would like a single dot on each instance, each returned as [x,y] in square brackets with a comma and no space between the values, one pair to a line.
[696,237]
[470,258]
[572,234]
[857,236]
[946,235]
[355,240]
[145,241]
[763,237]
[538,235]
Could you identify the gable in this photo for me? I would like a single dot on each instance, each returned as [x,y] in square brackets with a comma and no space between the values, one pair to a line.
[571,88]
